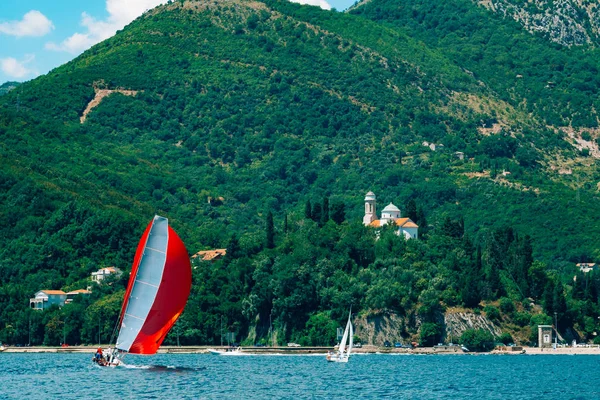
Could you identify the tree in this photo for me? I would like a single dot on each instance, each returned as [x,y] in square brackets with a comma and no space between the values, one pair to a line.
[233,249]
[325,211]
[430,333]
[317,213]
[411,210]
[338,212]
[478,340]
[308,210]
[270,231]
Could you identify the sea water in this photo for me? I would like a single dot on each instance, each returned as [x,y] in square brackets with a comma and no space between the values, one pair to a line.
[204,376]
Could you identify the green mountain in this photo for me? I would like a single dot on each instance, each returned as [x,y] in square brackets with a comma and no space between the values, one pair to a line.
[215,114]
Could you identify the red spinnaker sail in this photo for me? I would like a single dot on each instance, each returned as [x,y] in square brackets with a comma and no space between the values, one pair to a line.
[165,297]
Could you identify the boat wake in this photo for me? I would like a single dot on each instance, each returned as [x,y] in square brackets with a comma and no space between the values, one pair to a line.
[160,368]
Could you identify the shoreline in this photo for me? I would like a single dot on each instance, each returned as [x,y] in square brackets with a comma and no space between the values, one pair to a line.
[442,350]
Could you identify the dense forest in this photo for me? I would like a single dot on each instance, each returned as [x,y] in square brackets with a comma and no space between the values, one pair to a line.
[246,116]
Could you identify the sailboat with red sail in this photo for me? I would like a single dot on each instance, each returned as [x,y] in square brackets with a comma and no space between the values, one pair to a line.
[158,290]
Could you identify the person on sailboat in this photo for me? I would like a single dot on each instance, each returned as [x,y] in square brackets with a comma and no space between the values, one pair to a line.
[99,357]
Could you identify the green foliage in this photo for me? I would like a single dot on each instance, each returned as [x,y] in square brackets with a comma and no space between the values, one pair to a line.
[430,333]
[507,306]
[505,338]
[492,313]
[320,331]
[478,340]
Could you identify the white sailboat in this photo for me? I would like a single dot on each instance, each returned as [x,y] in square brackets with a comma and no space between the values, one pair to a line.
[343,353]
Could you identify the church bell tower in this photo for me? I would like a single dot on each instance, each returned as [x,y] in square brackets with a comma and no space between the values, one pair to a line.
[370,208]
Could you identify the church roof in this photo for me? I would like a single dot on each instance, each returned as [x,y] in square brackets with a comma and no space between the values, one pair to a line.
[406,223]
[370,196]
[390,207]
[401,222]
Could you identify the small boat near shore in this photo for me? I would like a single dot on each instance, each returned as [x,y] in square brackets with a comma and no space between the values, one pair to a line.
[231,351]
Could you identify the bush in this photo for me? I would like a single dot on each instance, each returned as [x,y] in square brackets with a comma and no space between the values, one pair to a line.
[506,305]
[478,340]
[492,313]
[522,318]
[430,333]
[505,338]
[597,340]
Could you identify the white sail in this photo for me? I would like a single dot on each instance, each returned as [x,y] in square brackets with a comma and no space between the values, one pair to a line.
[342,354]
[342,347]
[351,334]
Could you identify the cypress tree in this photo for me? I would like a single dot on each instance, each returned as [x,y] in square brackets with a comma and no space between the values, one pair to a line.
[411,210]
[233,249]
[325,211]
[308,210]
[338,212]
[317,213]
[270,231]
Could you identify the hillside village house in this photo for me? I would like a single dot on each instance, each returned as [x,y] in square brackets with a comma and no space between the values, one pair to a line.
[46,298]
[389,215]
[103,273]
[71,295]
[210,255]
[586,267]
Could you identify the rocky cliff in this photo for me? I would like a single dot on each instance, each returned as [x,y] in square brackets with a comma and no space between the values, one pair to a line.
[376,328]
[568,22]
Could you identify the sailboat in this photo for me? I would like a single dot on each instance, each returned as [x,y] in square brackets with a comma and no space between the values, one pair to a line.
[343,354]
[158,289]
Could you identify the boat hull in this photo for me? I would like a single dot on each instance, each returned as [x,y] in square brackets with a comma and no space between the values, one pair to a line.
[337,358]
[233,352]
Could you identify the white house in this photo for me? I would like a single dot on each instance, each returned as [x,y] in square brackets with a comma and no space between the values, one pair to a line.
[586,267]
[102,273]
[47,298]
[389,215]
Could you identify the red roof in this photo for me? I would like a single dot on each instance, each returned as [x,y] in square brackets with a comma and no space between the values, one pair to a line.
[208,255]
[53,291]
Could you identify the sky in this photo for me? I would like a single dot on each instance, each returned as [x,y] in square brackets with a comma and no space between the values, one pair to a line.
[37,36]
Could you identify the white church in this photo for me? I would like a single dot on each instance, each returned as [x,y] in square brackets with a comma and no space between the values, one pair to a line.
[389,215]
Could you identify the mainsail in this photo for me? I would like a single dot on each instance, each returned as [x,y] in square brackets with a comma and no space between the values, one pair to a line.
[158,289]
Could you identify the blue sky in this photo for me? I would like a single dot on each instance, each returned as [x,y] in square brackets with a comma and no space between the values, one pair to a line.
[39,35]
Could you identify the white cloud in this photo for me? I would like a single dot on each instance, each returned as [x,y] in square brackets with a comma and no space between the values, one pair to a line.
[321,3]
[34,23]
[17,69]
[120,13]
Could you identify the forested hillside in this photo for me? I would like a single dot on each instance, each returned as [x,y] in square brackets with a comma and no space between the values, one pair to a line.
[225,115]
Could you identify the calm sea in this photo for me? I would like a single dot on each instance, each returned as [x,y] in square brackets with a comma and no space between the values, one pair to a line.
[203,376]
